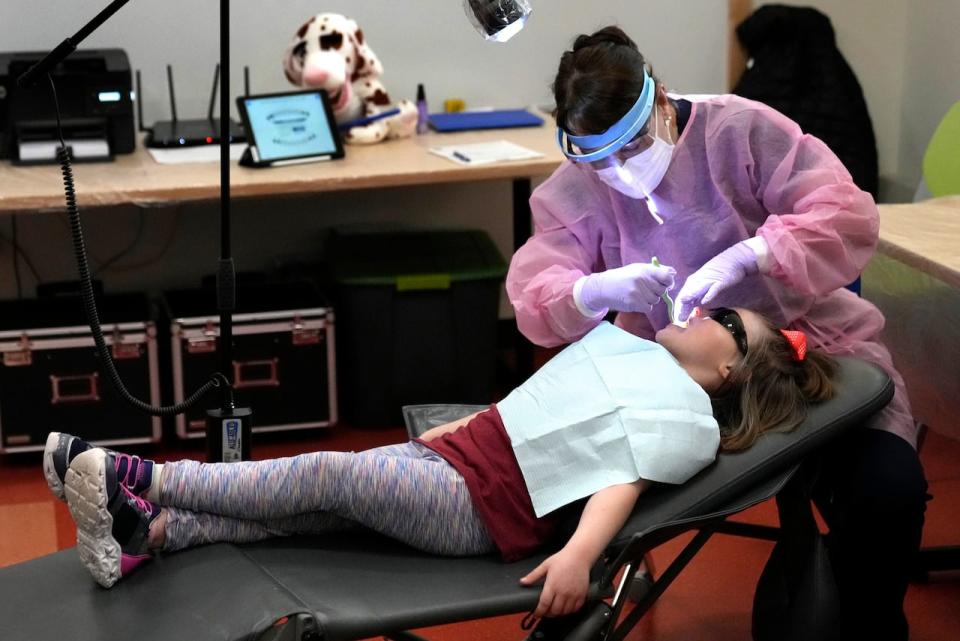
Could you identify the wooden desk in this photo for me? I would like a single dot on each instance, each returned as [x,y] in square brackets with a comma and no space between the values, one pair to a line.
[925,236]
[137,178]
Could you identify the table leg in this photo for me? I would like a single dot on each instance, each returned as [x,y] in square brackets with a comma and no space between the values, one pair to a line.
[936,559]
[523,349]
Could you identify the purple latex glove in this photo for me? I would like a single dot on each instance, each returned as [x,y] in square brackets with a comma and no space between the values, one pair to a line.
[724,270]
[632,288]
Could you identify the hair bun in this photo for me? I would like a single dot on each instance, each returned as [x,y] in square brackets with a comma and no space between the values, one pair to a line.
[608,35]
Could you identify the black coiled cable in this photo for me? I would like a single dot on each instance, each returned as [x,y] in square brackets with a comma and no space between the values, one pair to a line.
[217,379]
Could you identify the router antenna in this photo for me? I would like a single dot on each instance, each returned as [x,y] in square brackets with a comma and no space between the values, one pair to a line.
[173,100]
[246,80]
[139,97]
[213,92]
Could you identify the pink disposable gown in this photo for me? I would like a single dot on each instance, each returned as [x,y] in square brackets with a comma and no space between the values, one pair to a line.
[739,169]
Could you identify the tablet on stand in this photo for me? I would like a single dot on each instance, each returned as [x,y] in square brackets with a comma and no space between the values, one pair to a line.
[289,128]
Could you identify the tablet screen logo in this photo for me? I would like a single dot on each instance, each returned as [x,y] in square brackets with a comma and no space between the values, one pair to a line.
[290,127]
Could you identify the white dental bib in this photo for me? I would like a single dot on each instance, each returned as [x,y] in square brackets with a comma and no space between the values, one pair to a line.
[609,409]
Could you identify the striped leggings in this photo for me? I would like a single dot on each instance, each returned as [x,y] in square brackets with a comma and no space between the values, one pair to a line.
[405,491]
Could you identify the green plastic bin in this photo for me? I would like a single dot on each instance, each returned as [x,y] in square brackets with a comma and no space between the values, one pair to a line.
[416,320]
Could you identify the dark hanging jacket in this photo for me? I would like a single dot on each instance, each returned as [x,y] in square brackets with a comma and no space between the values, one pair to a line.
[798,70]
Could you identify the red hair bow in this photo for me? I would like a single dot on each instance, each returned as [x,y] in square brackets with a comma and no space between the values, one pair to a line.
[798,343]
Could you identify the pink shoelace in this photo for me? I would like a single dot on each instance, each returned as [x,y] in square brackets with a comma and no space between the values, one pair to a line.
[143,504]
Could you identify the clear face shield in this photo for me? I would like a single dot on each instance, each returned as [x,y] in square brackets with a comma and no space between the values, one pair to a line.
[643,141]
[629,136]
[630,156]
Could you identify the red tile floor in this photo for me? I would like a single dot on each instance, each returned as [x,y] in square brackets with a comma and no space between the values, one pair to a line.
[710,601]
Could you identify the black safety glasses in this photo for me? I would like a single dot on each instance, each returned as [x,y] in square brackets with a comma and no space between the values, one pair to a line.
[732,322]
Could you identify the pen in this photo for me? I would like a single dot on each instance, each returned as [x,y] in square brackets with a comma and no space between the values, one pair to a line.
[460,156]
[359,122]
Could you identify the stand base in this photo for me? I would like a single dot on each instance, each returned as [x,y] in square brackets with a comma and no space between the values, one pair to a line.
[229,434]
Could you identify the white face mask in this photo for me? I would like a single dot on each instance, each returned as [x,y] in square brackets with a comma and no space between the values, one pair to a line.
[640,175]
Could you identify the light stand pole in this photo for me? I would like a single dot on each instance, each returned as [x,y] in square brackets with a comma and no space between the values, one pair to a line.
[228,428]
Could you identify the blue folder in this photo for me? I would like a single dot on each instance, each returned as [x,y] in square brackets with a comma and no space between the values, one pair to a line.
[498,119]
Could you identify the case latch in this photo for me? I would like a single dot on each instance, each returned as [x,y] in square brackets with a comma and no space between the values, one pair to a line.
[20,357]
[204,344]
[303,336]
[123,351]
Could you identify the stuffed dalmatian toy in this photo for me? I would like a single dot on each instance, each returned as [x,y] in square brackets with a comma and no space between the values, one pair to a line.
[329,52]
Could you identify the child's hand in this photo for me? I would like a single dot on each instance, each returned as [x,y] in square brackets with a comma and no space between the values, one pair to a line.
[565,590]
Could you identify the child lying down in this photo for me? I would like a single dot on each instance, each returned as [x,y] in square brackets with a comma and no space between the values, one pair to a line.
[605,418]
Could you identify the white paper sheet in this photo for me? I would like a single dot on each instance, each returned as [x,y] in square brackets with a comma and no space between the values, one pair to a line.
[484,153]
[46,150]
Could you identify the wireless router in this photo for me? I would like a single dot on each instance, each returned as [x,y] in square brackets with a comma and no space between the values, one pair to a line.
[193,132]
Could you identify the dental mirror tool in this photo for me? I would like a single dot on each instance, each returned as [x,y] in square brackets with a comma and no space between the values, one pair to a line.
[667,300]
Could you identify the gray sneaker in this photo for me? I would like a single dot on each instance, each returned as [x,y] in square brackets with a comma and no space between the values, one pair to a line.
[113,524]
[133,472]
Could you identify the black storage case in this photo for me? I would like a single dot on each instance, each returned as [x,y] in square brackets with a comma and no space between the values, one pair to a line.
[418,319]
[284,357]
[50,378]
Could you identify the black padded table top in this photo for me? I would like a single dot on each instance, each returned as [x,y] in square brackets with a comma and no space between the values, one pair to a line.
[214,592]
[365,585]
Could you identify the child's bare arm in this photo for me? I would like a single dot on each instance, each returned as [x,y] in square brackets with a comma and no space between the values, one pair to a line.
[602,517]
[568,571]
[446,428]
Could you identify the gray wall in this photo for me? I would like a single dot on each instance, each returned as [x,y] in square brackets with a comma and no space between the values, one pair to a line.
[931,80]
[872,37]
[906,55]
[427,41]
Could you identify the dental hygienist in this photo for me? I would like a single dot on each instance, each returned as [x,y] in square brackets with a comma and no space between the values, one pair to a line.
[742,209]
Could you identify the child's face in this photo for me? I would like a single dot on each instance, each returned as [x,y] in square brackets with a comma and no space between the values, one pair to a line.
[705,348]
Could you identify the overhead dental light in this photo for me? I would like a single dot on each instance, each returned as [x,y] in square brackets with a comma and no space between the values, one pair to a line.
[497,20]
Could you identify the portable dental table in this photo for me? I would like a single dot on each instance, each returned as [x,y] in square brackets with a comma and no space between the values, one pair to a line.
[356,586]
